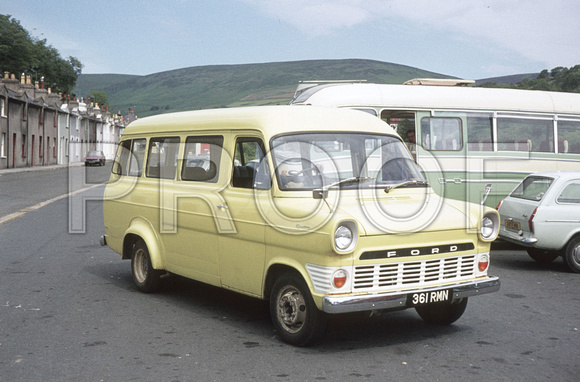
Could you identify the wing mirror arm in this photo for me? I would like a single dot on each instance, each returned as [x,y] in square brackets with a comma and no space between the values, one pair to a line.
[487,191]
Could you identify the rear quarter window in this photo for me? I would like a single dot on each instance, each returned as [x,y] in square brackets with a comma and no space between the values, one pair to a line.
[570,194]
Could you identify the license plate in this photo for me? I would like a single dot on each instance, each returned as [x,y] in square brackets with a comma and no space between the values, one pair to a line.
[430,297]
[510,224]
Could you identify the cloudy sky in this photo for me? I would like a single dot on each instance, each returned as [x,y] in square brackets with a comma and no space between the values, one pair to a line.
[471,39]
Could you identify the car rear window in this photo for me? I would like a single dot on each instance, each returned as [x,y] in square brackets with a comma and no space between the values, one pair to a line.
[532,188]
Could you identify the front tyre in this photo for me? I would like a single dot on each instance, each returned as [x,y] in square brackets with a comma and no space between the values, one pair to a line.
[442,313]
[294,314]
[147,279]
[572,255]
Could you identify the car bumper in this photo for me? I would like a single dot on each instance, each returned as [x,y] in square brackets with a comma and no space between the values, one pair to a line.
[517,239]
[401,299]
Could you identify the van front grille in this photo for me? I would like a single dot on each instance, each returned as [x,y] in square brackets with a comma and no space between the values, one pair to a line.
[413,273]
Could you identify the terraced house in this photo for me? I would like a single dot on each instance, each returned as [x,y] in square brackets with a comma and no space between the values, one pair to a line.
[41,128]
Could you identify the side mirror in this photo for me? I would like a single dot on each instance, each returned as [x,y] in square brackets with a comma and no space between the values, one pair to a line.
[319,194]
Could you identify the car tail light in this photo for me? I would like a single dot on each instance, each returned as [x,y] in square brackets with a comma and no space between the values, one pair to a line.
[531,220]
[339,278]
[499,205]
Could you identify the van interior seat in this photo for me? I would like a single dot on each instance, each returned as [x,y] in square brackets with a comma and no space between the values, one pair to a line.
[243,176]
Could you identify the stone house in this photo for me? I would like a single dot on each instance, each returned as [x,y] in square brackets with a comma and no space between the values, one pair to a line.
[41,128]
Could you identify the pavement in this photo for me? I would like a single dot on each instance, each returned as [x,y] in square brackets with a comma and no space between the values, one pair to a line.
[38,168]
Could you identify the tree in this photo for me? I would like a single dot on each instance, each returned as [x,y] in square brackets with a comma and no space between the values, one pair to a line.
[559,79]
[16,46]
[21,53]
[100,98]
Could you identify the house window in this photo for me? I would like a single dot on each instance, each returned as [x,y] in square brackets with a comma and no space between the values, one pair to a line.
[2,107]
[54,148]
[40,146]
[3,146]
[23,145]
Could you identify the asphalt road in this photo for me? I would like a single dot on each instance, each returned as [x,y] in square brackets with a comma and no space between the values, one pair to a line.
[69,312]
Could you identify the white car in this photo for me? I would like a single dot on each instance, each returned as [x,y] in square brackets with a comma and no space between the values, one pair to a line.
[543,214]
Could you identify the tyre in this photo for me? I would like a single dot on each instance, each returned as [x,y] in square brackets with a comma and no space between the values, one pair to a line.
[572,255]
[147,279]
[542,256]
[294,314]
[442,313]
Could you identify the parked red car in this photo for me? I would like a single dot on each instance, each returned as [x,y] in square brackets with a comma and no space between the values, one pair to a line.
[95,157]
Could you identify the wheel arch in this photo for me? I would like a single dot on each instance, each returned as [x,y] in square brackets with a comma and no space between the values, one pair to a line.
[275,271]
[139,229]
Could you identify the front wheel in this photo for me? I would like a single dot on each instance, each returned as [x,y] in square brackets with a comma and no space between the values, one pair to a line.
[442,313]
[572,255]
[147,279]
[542,256]
[294,314]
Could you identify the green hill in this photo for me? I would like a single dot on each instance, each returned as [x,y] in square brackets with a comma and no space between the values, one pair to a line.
[215,86]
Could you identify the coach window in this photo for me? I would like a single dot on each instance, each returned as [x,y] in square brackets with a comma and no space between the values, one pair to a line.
[441,133]
[569,137]
[162,157]
[202,159]
[479,132]
[250,167]
[523,134]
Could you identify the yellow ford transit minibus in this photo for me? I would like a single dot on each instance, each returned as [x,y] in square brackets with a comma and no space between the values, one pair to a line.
[320,211]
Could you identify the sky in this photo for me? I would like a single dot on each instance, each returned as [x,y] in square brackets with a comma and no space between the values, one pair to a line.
[471,39]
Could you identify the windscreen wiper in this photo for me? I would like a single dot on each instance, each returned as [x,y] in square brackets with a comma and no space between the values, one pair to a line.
[404,184]
[322,193]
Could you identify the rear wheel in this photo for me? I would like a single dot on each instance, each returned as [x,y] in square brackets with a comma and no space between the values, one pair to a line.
[147,279]
[572,255]
[542,256]
[294,314]
[442,313]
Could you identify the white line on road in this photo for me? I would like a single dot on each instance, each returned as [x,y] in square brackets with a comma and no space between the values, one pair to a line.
[24,211]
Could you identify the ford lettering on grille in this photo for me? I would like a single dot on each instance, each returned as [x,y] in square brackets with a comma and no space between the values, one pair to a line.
[419,251]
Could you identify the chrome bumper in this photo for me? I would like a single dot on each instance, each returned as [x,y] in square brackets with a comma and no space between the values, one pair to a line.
[529,241]
[394,300]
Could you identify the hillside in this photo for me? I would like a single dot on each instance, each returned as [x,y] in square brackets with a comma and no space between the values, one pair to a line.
[215,86]
[507,80]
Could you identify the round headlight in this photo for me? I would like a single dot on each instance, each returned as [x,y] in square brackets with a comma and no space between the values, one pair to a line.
[345,236]
[489,226]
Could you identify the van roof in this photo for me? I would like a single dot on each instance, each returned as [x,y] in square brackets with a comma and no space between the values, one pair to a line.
[270,120]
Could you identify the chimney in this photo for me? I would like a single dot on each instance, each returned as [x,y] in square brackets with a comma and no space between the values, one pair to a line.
[11,83]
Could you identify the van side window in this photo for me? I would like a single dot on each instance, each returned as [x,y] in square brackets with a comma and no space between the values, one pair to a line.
[122,158]
[162,157]
[250,167]
[441,133]
[202,158]
[129,159]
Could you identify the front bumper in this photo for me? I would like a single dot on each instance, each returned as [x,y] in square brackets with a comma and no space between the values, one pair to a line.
[399,299]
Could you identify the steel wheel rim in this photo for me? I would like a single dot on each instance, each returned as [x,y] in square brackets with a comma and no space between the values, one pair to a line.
[140,266]
[576,254]
[291,309]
